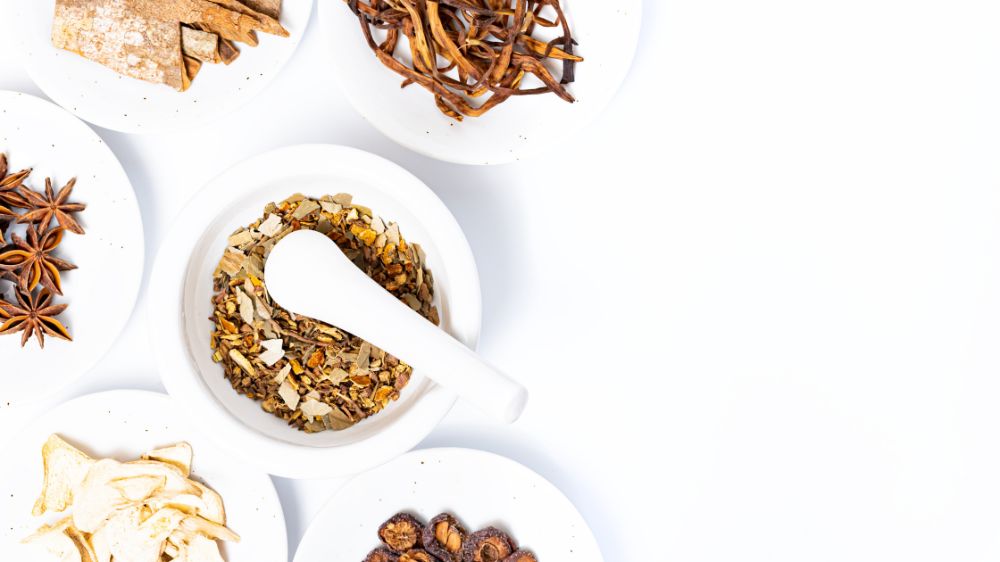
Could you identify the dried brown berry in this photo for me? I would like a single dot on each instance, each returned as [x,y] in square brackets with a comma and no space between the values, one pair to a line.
[401,532]
[382,554]
[417,555]
[521,556]
[488,545]
[443,537]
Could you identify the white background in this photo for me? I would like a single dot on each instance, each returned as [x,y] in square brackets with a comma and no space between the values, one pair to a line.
[757,303]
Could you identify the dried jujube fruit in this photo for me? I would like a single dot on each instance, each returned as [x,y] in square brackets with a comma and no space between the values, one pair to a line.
[382,554]
[521,556]
[402,532]
[488,545]
[444,536]
[417,555]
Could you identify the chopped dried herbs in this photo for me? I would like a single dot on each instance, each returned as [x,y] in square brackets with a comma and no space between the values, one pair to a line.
[488,545]
[310,374]
[401,532]
[29,263]
[444,540]
[488,47]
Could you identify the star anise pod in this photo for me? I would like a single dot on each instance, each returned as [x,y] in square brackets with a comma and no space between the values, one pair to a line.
[9,192]
[32,260]
[33,314]
[6,215]
[44,207]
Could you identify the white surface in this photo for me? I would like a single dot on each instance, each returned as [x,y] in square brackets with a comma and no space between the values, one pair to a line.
[182,292]
[607,33]
[364,308]
[101,292]
[756,302]
[100,96]
[480,489]
[124,425]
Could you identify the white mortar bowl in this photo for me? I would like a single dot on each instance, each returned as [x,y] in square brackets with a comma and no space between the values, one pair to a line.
[180,307]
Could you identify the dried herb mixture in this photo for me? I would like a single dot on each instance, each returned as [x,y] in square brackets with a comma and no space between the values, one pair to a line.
[489,47]
[313,375]
[406,539]
[29,263]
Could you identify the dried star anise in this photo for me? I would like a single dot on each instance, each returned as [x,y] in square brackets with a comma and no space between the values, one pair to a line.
[32,260]
[43,208]
[6,215]
[9,192]
[35,314]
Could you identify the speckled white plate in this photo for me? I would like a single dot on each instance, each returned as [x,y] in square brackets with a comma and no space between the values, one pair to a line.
[124,424]
[608,33]
[102,291]
[480,488]
[99,95]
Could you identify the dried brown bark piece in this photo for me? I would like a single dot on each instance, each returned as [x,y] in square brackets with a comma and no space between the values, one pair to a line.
[401,532]
[488,545]
[143,38]
[200,45]
[128,41]
[269,7]
[444,536]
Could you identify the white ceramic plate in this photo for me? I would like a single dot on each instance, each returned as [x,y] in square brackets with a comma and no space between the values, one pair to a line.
[102,291]
[181,291]
[104,98]
[608,33]
[481,489]
[124,424]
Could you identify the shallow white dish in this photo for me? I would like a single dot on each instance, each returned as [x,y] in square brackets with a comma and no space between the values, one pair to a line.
[99,95]
[180,306]
[479,488]
[124,424]
[607,32]
[102,292]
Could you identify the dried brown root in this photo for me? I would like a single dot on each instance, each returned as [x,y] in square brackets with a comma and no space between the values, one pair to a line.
[488,44]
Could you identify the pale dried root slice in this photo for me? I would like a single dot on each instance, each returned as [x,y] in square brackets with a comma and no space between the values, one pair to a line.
[132,511]
[180,455]
[65,467]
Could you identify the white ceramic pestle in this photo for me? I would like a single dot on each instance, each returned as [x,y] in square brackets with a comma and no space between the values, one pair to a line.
[335,291]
